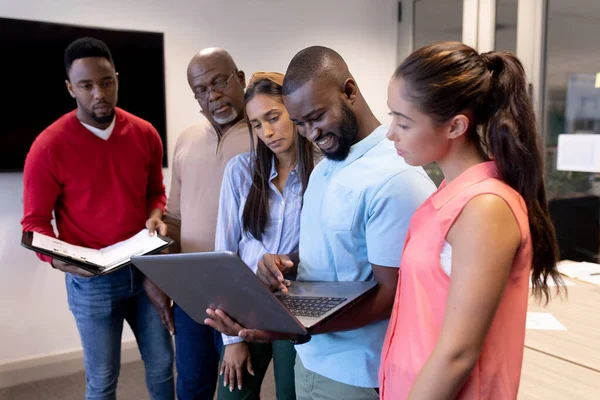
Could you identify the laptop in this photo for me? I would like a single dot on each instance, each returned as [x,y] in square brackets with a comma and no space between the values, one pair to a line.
[197,281]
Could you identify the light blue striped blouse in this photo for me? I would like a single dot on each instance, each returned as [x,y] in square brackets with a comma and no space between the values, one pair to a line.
[282,231]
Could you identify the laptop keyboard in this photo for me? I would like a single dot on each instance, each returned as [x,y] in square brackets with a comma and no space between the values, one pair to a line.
[304,306]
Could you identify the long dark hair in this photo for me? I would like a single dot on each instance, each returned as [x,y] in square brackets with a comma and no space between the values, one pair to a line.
[256,210]
[446,79]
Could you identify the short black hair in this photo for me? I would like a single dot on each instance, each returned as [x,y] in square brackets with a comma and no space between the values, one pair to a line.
[308,64]
[86,47]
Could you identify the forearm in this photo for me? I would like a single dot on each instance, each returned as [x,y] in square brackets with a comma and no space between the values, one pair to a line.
[41,225]
[45,229]
[38,224]
[377,307]
[155,194]
[174,232]
[156,213]
[156,202]
[41,189]
[443,375]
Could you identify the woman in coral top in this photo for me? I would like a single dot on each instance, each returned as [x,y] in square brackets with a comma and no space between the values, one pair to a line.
[458,325]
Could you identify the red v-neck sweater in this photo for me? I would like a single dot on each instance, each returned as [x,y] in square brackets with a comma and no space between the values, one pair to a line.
[101,191]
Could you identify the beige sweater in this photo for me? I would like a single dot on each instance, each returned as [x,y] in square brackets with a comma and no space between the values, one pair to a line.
[198,164]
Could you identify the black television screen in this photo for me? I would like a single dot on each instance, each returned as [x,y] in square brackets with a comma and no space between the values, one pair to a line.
[34,76]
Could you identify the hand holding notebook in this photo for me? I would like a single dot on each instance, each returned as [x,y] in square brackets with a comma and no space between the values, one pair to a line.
[70,268]
[101,261]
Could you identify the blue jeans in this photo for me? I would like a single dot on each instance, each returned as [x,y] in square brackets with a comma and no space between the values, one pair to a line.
[100,305]
[198,349]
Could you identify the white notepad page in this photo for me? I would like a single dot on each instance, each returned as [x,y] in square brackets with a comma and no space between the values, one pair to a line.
[107,257]
[578,270]
[121,252]
[543,321]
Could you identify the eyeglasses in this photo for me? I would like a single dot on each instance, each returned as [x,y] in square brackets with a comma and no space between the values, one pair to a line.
[218,86]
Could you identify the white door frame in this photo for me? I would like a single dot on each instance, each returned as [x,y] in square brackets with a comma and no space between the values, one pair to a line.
[531,49]
[479,24]
[406,30]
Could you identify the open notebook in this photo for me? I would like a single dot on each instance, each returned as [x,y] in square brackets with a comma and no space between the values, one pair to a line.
[98,262]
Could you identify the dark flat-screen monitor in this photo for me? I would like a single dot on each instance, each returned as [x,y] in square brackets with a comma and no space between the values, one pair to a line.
[33,76]
[577,223]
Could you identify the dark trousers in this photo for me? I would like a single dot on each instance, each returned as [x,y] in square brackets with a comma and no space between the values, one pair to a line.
[197,353]
[284,357]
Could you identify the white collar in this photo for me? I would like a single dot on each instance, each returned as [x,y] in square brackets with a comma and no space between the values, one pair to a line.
[103,134]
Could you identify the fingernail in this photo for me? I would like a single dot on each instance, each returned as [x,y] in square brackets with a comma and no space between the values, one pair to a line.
[239,387]
[231,388]
[224,383]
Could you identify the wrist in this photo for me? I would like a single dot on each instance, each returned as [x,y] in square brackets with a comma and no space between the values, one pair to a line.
[156,214]
[301,339]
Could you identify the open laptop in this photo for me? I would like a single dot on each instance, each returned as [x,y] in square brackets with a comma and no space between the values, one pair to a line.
[197,281]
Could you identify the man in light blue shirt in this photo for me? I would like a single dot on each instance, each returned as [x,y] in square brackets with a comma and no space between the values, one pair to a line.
[356,213]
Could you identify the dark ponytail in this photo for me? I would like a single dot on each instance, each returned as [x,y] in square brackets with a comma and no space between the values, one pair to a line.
[513,137]
[450,78]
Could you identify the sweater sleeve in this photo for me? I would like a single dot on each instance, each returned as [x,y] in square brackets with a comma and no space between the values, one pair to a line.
[174,199]
[41,188]
[156,194]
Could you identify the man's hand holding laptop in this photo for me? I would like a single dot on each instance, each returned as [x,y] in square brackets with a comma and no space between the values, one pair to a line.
[270,271]
[220,321]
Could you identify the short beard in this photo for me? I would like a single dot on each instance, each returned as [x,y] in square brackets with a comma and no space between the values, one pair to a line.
[103,120]
[347,132]
[224,121]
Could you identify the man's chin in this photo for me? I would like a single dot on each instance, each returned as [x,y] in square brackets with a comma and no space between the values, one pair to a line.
[223,120]
[104,118]
[339,154]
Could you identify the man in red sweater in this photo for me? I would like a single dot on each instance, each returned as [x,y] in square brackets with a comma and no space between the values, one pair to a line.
[99,169]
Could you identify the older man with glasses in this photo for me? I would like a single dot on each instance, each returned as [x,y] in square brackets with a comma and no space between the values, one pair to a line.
[199,160]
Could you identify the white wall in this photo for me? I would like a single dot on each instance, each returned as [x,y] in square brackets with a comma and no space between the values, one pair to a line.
[260,34]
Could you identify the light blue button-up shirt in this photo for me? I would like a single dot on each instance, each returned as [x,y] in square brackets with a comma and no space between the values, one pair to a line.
[282,230]
[356,213]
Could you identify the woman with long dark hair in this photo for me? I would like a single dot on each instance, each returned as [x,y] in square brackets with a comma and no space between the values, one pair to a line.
[259,212]
[458,325]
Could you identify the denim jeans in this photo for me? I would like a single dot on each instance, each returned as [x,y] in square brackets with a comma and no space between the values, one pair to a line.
[100,304]
[198,349]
